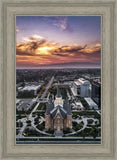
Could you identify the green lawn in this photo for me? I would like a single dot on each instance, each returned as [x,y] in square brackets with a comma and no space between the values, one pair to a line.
[42,106]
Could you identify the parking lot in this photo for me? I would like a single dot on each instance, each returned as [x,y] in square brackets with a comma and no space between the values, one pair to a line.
[25,104]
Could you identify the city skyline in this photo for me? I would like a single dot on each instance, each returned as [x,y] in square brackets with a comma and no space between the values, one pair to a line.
[58,42]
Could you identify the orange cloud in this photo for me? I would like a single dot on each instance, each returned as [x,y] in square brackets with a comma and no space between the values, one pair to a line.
[36,50]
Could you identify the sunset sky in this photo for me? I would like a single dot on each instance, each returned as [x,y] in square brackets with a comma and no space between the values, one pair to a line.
[58,41]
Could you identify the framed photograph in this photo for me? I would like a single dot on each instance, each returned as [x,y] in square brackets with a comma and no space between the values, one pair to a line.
[58,83]
[58,79]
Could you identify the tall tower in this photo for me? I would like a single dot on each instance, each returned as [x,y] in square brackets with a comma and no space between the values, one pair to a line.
[58,99]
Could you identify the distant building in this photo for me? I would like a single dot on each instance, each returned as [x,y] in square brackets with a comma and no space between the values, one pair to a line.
[82,88]
[28,90]
[25,104]
[78,105]
[96,93]
[58,114]
[91,103]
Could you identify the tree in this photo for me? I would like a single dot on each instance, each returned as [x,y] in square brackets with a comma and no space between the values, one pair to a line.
[28,123]
[51,131]
[83,134]
[90,121]
[93,132]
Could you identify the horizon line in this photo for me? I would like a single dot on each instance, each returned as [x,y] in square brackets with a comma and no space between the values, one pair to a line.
[65,68]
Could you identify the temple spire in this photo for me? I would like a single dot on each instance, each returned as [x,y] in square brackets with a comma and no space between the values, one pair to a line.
[58,91]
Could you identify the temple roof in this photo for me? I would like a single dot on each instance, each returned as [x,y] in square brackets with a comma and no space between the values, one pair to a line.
[49,107]
[67,107]
[58,110]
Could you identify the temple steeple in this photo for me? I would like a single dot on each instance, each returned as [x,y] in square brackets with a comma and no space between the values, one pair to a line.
[58,99]
[58,95]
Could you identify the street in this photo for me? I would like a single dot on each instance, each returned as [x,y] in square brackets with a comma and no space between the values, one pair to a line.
[47,87]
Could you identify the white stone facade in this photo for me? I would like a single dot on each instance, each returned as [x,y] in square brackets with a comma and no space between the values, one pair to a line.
[82,88]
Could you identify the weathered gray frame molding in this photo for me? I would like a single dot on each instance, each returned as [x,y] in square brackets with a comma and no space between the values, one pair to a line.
[107,9]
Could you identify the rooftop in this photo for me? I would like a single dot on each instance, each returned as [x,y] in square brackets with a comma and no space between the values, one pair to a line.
[30,87]
[90,102]
[58,92]
[59,110]
[81,81]
[79,104]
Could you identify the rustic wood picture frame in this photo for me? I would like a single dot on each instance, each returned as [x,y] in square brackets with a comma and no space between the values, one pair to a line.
[107,9]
